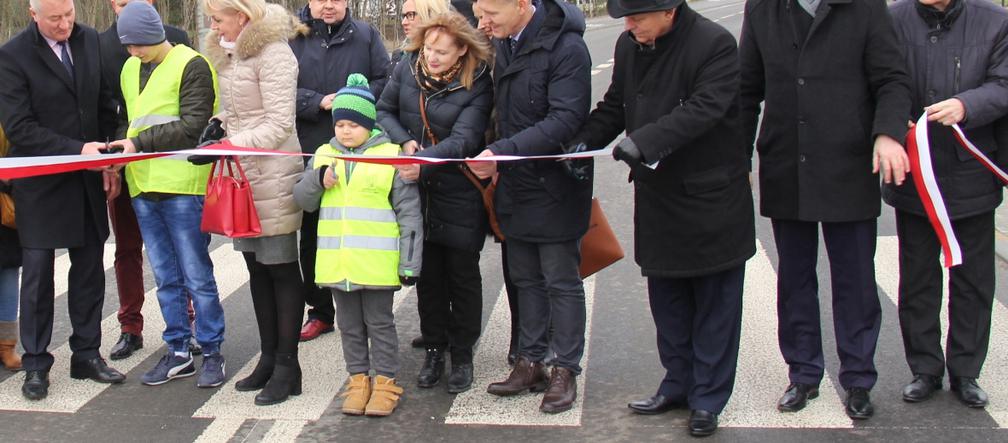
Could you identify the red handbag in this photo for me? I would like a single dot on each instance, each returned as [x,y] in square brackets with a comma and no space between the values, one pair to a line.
[229,209]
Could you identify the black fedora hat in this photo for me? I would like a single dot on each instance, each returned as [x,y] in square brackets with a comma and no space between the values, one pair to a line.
[623,8]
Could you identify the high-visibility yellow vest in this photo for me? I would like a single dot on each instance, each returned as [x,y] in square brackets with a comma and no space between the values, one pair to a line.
[159,104]
[358,234]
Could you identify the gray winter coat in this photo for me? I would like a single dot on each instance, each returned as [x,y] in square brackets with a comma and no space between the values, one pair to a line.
[405,200]
[966,57]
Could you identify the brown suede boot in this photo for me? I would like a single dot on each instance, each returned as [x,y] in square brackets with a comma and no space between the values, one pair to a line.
[525,376]
[356,394]
[384,397]
[561,393]
[8,345]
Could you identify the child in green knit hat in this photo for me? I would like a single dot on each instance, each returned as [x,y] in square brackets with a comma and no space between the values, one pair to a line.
[370,240]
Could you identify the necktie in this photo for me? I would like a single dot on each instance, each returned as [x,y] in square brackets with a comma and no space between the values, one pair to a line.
[513,45]
[65,58]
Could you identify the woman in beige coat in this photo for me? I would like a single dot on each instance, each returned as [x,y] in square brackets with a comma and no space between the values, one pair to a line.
[258,84]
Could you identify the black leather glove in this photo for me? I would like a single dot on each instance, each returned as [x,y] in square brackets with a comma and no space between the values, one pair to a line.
[626,151]
[407,281]
[579,169]
[213,131]
[204,159]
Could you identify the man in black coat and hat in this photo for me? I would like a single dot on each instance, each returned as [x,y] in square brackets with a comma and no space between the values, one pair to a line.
[835,93]
[675,91]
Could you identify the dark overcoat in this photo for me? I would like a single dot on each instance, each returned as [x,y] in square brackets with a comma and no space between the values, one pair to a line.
[453,208]
[324,63]
[967,58]
[542,95]
[827,95]
[678,102]
[46,112]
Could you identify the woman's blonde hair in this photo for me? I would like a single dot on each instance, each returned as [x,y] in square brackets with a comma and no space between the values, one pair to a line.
[425,9]
[253,9]
[458,28]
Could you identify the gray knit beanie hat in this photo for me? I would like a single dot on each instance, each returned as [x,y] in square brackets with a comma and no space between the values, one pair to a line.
[140,24]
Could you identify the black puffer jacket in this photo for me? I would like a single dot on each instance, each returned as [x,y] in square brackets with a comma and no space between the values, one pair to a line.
[325,62]
[958,53]
[453,209]
[542,94]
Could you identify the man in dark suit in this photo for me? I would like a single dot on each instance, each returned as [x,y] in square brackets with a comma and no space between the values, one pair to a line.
[52,97]
[128,244]
[836,93]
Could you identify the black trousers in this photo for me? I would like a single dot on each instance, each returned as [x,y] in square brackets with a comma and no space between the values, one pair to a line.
[278,304]
[320,300]
[698,321]
[512,298]
[85,297]
[857,313]
[551,300]
[971,295]
[450,300]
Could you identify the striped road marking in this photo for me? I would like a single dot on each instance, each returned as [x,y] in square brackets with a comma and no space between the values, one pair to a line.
[760,364]
[323,366]
[995,368]
[61,268]
[68,395]
[476,406]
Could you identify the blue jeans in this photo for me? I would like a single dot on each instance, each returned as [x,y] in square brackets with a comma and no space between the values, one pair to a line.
[8,294]
[177,252]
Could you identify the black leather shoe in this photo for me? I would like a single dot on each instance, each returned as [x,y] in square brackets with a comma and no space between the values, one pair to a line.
[95,369]
[968,391]
[432,370]
[461,378]
[418,342]
[702,423]
[656,404]
[126,346]
[796,397]
[859,406]
[36,385]
[921,388]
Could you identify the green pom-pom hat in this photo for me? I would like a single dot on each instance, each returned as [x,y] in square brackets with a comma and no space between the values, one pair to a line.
[355,102]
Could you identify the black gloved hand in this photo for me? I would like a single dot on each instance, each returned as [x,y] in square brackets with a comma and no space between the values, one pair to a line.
[213,131]
[407,281]
[627,152]
[204,159]
[579,169]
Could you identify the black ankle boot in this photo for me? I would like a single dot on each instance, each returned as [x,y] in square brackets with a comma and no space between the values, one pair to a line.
[259,376]
[433,368]
[286,381]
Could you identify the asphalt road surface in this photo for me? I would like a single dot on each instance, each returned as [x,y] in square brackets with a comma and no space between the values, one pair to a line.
[621,362]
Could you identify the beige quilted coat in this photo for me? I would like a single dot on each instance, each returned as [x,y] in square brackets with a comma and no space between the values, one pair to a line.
[258,87]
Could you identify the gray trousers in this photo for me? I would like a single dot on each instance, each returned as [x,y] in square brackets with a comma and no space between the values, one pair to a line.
[550,293]
[363,315]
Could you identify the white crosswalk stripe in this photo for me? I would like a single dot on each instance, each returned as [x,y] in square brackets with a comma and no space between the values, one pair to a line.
[476,406]
[68,395]
[760,364]
[323,374]
[996,366]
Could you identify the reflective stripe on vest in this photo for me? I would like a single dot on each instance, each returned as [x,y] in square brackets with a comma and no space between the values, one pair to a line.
[358,233]
[158,104]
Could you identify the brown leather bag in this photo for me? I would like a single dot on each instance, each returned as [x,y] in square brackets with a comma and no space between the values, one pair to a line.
[599,246]
[486,192]
[6,201]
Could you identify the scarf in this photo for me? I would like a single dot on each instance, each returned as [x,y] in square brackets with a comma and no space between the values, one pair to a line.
[435,82]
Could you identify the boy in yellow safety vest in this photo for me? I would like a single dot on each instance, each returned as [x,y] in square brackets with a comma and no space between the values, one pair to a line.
[370,236]
[169,93]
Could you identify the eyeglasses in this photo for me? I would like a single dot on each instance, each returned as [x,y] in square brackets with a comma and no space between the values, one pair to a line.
[409,16]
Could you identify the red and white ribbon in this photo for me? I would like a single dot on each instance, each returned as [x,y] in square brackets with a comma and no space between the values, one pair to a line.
[21,167]
[922,171]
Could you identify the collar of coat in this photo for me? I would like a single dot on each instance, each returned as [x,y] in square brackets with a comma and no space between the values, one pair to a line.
[277,25]
[319,27]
